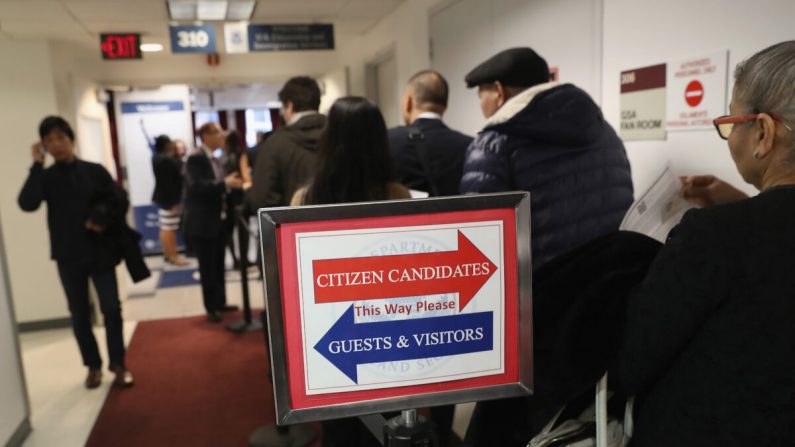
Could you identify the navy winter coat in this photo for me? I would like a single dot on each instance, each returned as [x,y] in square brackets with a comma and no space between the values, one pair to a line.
[553,141]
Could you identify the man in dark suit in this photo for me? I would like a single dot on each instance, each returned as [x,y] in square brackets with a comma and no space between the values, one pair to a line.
[427,155]
[205,212]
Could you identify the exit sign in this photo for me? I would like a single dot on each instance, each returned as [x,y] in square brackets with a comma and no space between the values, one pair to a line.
[120,46]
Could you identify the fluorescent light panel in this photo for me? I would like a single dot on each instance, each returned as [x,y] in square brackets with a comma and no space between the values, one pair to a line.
[182,10]
[211,9]
[240,10]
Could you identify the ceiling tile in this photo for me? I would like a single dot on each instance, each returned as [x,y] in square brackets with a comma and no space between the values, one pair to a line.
[45,29]
[33,11]
[368,8]
[353,26]
[93,11]
[153,28]
[304,10]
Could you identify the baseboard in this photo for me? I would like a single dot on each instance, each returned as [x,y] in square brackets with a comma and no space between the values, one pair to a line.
[43,325]
[19,436]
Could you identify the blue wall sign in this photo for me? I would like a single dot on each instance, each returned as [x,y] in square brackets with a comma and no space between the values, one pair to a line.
[290,37]
[152,106]
[192,38]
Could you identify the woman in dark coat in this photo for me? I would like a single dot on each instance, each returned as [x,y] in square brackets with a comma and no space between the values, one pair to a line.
[709,344]
[168,196]
[353,165]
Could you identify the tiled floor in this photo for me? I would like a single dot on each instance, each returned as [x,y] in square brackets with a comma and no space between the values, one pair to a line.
[63,411]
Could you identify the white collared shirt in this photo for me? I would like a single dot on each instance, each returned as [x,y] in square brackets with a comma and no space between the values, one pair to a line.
[429,116]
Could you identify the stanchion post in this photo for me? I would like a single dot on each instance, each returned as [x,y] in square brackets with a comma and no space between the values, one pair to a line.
[410,429]
[246,324]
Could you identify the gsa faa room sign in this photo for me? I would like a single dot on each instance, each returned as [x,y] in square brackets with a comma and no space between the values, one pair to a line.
[393,305]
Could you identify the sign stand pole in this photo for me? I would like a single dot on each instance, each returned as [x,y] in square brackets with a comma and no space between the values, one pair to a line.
[272,435]
[246,324]
[410,430]
[300,435]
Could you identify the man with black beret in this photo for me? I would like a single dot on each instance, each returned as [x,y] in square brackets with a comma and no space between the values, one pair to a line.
[552,141]
[549,139]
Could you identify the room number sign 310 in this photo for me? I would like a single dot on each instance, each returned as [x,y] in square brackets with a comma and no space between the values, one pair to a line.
[193,39]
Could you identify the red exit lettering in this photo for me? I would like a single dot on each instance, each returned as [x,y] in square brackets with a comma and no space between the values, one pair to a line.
[120,46]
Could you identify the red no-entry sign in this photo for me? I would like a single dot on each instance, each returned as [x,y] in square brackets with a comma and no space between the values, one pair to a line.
[694,93]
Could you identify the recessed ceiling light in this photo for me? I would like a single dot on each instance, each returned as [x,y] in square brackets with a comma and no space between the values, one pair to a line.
[151,47]
[182,9]
[240,9]
[211,9]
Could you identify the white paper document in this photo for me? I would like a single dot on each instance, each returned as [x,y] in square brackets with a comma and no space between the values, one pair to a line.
[659,209]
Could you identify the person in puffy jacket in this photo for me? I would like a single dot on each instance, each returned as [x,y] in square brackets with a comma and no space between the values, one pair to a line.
[549,139]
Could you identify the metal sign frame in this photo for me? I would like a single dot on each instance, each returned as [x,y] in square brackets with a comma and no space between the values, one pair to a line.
[270,220]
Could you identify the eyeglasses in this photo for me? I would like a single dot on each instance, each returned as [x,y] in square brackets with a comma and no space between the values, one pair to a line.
[725,124]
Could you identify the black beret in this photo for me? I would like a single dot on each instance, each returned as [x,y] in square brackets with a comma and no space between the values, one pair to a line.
[515,67]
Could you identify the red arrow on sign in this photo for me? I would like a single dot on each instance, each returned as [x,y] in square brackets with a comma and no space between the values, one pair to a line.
[377,277]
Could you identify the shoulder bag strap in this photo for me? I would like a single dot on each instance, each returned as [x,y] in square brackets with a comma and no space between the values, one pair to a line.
[417,141]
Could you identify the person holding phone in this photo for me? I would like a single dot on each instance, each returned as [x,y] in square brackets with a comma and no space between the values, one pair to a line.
[80,240]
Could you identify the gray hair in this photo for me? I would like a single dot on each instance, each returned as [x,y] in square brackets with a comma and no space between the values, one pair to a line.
[765,82]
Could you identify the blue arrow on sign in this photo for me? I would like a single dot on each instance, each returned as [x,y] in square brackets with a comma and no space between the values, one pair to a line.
[348,344]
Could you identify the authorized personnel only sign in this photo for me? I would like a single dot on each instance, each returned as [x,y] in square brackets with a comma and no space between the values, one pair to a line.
[382,307]
[697,91]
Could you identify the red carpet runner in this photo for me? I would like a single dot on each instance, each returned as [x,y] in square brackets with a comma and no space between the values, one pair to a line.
[196,384]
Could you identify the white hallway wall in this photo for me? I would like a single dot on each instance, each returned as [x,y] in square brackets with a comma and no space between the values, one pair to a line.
[464,33]
[591,41]
[45,82]
[28,94]
[638,33]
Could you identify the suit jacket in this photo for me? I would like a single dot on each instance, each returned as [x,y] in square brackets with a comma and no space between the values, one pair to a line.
[709,344]
[444,148]
[204,202]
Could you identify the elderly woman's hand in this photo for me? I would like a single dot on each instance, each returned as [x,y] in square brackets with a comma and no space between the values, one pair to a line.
[706,190]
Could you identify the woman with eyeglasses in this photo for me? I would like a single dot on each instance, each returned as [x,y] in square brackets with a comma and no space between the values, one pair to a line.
[709,343]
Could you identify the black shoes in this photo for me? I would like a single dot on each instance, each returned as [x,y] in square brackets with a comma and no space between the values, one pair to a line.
[94,378]
[215,316]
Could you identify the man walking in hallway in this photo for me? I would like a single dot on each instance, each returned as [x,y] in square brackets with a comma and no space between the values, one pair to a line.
[205,211]
[286,159]
[427,155]
[552,141]
[81,241]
